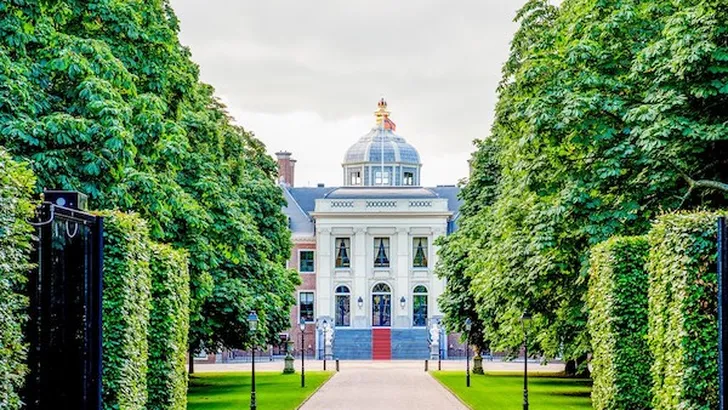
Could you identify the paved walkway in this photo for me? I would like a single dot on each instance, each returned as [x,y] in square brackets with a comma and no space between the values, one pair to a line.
[383,385]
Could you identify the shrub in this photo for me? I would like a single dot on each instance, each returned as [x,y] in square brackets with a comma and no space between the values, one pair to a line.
[16,207]
[126,304]
[168,329]
[617,301]
[683,333]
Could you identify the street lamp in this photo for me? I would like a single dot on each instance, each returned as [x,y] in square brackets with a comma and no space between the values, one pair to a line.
[325,327]
[253,325]
[525,322]
[302,326]
[468,326]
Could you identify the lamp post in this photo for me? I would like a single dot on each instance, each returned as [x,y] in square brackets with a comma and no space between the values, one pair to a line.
[525,322]
[302,326]
[468,326]
[325,327]
[253,325]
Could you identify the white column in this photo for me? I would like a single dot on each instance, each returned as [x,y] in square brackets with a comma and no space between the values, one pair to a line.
[359,271]
[323,273]
[402,316]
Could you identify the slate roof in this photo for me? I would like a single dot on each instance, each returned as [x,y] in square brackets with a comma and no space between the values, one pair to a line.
[381,193]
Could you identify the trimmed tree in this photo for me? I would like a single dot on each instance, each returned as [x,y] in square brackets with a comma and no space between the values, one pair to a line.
[683,325]
[168,328]
[16,207]
[617,302]
[126,304]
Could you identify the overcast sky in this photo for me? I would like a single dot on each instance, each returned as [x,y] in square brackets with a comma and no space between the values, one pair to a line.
[305,76]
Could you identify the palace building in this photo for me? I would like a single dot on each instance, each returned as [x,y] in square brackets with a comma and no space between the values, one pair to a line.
[366,251]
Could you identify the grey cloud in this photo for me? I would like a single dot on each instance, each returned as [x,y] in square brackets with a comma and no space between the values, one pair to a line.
[438,62]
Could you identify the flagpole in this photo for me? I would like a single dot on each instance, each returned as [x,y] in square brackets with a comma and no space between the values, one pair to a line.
[381,135]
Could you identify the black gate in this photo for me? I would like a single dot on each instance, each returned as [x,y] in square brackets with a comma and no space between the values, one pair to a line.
[64,331]
[722,309]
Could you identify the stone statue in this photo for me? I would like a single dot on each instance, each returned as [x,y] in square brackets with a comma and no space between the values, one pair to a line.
[435,334]
[434,337]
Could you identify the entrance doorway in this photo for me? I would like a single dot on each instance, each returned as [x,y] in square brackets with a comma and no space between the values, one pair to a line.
[381,305]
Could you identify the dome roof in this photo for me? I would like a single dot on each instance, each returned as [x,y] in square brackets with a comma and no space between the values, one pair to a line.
[378,142]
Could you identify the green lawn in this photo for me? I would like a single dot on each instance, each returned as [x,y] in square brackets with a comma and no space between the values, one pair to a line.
[503,391]
[231,390]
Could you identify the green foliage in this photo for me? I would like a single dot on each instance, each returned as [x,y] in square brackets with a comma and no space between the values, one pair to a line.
[16,207]
[458,253]
[683,325]
[100,97]
[617,302]
[609,113]
[126,304]
[168,329]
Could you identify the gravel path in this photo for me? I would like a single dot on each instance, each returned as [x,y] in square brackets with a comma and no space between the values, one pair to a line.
[382,385]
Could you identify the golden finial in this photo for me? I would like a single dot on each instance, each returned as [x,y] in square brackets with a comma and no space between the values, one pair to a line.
[381,113]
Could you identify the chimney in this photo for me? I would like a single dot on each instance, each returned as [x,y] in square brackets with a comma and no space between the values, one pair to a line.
[286,167]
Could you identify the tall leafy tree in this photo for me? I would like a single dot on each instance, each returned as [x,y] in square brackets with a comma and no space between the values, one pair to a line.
[608,113]
[101,97]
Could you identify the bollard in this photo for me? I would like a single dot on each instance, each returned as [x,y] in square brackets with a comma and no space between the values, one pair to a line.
[324,364]
[337,365]
[426,365]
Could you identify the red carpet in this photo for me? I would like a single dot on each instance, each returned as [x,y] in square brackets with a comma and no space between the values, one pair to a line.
[382,344]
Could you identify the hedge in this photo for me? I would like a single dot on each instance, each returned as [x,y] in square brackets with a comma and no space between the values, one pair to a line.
[683,334]
[16,207]
[617,302]
[168,329]
[126,304]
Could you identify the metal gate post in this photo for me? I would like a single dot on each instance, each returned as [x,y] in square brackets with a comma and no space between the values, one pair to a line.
[722,308]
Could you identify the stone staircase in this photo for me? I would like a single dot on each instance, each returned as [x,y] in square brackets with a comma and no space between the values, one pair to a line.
[353,344]
[410,344]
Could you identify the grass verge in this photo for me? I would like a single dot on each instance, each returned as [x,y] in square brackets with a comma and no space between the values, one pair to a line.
[504,391]
[231,390]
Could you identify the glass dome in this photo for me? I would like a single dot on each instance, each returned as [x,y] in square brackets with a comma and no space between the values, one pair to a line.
[381,157]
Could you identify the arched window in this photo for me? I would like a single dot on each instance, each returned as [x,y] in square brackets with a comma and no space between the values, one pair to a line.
[419,306]
[381,305]
[343,306]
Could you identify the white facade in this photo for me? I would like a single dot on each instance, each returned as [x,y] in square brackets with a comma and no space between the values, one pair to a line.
[363,221]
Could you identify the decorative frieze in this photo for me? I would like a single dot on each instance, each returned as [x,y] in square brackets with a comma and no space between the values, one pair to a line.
[420,204]
[381,204]
[342,204]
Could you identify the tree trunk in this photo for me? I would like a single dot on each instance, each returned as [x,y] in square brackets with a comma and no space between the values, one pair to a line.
[577,368]
[191,363]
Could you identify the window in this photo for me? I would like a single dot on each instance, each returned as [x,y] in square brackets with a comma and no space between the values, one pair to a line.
[381,178]
[381,305]
[305,306]
[408,178]
[355,178]
[419,306]
[419,252]
[343,250]
[305,261]
[381,252]
[343,306]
